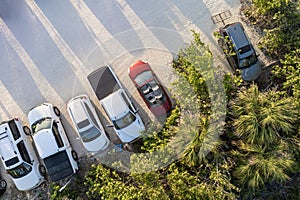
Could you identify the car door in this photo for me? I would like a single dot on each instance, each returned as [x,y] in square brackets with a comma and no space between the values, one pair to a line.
[228,49]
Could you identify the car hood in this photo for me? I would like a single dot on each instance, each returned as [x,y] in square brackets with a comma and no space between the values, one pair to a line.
[251,73]
[98,144]
[131,132]
[138,67]
[30,181]
[45,143]
[39,113]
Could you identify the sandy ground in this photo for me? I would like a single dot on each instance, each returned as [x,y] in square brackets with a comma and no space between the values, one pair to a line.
[47,48]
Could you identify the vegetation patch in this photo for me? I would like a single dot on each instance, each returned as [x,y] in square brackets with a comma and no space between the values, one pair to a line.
[258,153]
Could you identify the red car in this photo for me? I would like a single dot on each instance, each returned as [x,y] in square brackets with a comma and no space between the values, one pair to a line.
[150,88]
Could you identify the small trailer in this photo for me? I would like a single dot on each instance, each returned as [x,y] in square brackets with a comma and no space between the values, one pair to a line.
[220,17]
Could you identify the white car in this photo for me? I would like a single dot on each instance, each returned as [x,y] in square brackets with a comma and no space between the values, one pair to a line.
[18,156]
[51,142]
[87,123]
[117,104]
[123,114]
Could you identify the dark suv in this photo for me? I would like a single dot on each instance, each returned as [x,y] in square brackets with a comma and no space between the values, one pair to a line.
[239,51]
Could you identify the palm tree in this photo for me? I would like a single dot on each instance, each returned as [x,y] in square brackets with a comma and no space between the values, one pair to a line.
[265,125]
[203,142]
[261,164]
[263,117]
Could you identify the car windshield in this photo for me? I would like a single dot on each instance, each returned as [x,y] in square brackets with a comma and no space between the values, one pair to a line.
[246,62]
[143,77]
[20,171]
[83,123]
[90,134]
[44,123]
[124,121]
[245,49]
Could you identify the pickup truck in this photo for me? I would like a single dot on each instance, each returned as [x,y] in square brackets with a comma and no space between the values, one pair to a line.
[51,142]
[116,103]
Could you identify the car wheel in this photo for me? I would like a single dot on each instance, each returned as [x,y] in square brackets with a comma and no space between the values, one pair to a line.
[220,42]
[108,136]
[26,130]
[3,184]
[42,170]
[56,111]
[74,155]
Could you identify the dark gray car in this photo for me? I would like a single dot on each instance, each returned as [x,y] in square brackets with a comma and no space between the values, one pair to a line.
[239,51]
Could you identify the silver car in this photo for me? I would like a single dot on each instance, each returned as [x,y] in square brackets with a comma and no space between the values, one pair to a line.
[87,123]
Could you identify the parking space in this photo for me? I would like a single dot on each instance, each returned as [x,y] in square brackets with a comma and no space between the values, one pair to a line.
[47,53]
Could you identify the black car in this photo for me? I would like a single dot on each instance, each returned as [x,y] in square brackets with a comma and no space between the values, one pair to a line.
[239,51]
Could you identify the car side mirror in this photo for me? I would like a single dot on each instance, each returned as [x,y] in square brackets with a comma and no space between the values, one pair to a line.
[109,125]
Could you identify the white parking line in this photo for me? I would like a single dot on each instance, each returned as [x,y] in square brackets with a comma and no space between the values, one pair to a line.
[64,48]
[8,107]
[181,22]
[140,28]
[67,52]
[41,82]
[94,25]
[216,6]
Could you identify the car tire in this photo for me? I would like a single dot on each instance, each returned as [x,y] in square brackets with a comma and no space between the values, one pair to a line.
[26,130]
[108,136]
[220,42]
[74,155]
[3,184]
[56,111]
[42,170]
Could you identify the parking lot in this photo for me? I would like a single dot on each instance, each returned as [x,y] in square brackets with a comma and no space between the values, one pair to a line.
[47,48]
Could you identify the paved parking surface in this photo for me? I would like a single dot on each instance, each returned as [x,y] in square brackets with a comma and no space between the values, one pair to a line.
[47,48]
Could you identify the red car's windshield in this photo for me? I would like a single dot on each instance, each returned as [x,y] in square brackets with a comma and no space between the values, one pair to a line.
[143,77]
